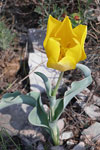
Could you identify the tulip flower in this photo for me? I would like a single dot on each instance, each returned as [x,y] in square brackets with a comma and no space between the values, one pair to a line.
[63,44]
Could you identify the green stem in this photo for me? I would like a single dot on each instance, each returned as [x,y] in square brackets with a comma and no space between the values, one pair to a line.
[58,83]
[53,126]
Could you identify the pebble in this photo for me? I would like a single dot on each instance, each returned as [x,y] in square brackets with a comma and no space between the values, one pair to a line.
[71,142]
[66,135]
[40,146]
[92,132]
[92,111]
[96,100]
[80,146]
[57,148]
[61,124]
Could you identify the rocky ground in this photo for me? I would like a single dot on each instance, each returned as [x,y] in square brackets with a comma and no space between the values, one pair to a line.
[80,122]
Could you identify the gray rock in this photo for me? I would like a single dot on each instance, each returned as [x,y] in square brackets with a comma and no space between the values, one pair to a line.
[34,134]
[15,121]
[93,132]
[83,96]
[80,146]
[66,135]
[26,141]
[46,108]
[70,142]
[57,148]
[92,111]
[14,118]
[40,146]
[61,124]
[96,100]
[35,39]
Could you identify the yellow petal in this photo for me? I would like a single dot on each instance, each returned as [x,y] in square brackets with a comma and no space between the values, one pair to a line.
[65,32]
[75,52]
[53,49]
[67,63]
[83,57]
[73,42]
[81,32]
[53,25]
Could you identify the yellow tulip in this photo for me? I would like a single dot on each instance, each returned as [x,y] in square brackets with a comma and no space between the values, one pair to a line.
[63,44]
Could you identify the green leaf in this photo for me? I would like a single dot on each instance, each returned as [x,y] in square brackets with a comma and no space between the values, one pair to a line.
[78,86]
[9,99]
[90,1]
[58,108]
[34,95]
[38,10]
[54,131]
[46,82]
[6,37]
[10,96]
[38,116]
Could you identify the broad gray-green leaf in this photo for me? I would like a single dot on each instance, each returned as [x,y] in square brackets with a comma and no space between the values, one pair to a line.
[76,87]
[10,96]
[34,95]
[54,132]
[46,82]
[18,98]
[38,116]
[58,108]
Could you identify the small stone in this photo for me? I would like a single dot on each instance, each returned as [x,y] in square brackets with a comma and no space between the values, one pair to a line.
[96,100]
[66,135]
[26,141]
[83,95]
[93,132]
[46,108]
[57,148]
[70,142]
[98,18]
[32,134]
[93,112]
[61,124]
[40,146]
[80,146]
